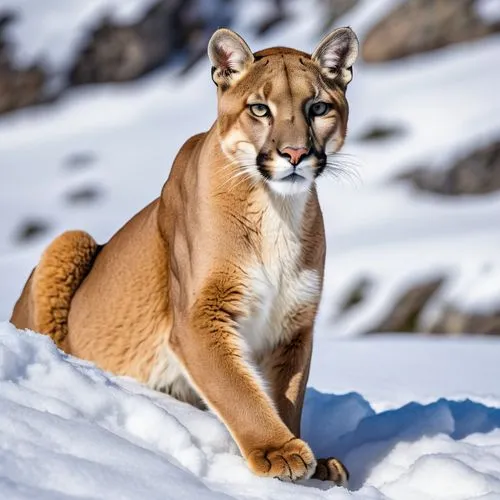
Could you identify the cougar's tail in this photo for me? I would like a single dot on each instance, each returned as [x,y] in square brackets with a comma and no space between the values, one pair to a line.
[45,300]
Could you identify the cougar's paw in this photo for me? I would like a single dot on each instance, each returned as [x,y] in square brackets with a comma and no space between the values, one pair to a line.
[331,469]
[291,462]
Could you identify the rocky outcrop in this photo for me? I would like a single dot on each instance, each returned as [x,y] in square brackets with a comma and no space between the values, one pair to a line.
[409,312]
[378,132]
[474,174]
[356,294]
[454,321]
[84,195]
[19,87]
[404,314]
[334,10]
[279,12]
[31,230]
[417,26]
[117,53]
[114,52]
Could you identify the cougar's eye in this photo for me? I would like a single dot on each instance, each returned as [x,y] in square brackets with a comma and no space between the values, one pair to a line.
[319,109]
[260,110]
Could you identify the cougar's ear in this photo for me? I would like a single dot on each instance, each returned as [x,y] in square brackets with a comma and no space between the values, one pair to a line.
[230,57]
[336,54]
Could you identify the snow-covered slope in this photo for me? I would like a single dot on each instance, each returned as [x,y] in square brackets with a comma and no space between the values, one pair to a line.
[68,430]
[375,228]
[64,25]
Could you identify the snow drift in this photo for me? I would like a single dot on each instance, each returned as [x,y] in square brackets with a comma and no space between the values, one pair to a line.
[68,430]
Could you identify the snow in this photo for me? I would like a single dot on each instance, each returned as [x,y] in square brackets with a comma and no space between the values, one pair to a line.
[413,418]
[488,10]
[478,290]
[64,25]
[69,430]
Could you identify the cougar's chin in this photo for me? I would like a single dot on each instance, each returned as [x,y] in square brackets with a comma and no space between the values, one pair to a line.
[290,185]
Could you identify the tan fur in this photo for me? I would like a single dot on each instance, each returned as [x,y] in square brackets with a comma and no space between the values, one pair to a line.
[210,292]
[45,300]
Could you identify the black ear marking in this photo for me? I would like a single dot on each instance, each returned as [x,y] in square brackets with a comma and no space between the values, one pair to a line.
[213,79]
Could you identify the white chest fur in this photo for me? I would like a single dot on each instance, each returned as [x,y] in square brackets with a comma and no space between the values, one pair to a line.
[278,286]
[278,283]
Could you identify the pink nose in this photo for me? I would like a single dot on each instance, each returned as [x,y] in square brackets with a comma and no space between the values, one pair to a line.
[294,154]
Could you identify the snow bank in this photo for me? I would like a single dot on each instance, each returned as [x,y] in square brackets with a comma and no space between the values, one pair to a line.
[69,430]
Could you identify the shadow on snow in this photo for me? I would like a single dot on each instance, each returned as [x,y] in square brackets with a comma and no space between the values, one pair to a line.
[346,426]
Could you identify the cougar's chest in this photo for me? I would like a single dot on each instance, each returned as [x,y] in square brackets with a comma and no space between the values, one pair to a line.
[279,285]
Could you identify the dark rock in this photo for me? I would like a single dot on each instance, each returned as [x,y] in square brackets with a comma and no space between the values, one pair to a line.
[334,10]
[84,195]
[454,321]
[406,310]
[357,294]
[476,173]
[381,132]
[117,53]
[19,86]
[271,22]
[30,230]
[417,26]
[80,160]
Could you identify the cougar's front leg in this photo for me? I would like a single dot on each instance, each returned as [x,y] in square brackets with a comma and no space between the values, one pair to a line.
[207,343]
[287,369]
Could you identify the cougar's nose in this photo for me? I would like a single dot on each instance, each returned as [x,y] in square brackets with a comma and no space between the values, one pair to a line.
[293,155]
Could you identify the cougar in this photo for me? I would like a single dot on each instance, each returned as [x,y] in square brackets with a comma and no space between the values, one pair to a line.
[211,291]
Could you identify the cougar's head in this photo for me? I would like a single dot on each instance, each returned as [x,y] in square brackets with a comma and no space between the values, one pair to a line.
[282,111]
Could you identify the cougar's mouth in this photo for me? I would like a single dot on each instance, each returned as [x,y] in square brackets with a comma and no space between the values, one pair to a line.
[293,177]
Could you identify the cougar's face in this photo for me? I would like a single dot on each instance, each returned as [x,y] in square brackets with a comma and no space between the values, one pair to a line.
[282,118]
